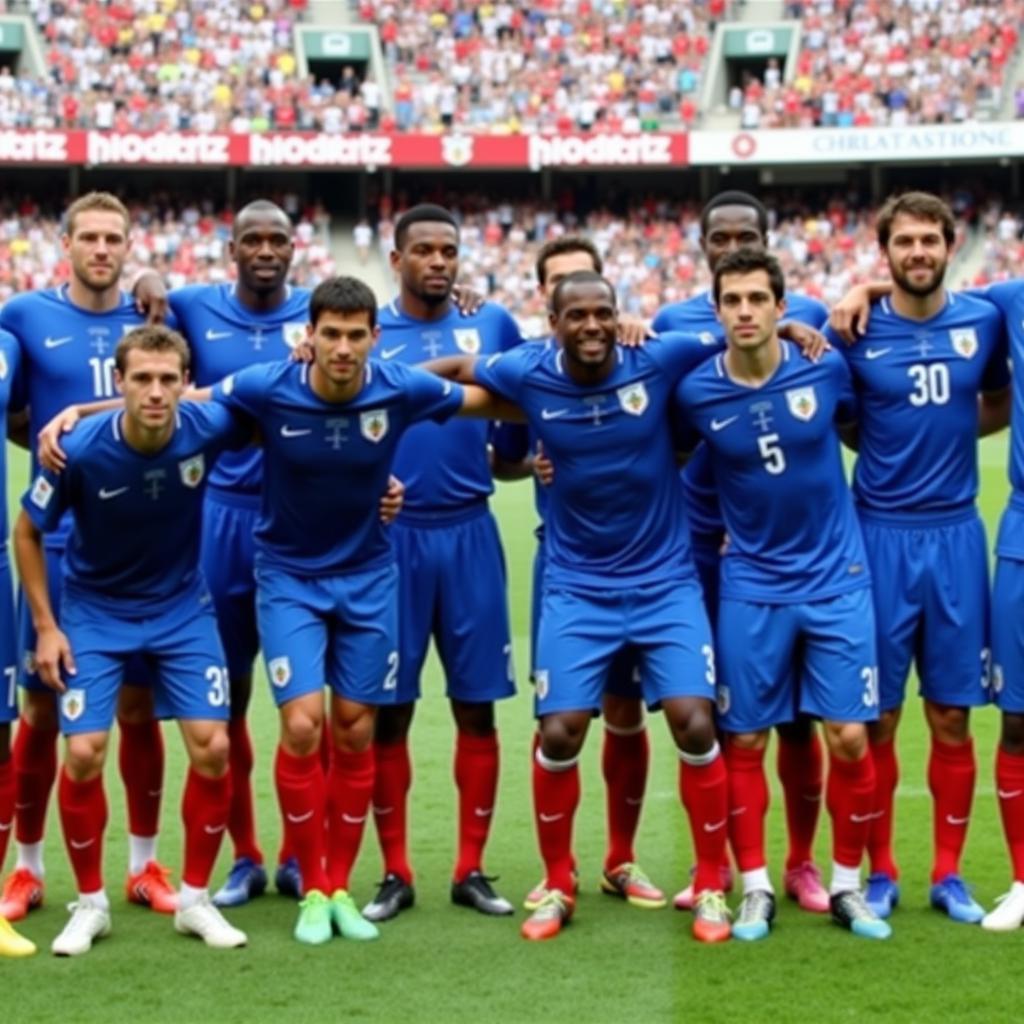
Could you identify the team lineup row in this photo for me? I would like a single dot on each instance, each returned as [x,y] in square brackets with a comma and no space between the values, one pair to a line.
[629,562]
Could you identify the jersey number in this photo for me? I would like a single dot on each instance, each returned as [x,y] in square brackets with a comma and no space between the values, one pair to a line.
[931,384]
[771,452]
[102,376]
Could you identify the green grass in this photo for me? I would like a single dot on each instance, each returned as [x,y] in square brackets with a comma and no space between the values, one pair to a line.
[615,964]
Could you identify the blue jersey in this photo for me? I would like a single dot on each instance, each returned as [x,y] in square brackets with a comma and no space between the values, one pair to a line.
[444,468]
[136,516]
[226,336]
[793,533]
[326,464]
[67,356]
[615,515]
[697,314]
[917,384]
[10,400]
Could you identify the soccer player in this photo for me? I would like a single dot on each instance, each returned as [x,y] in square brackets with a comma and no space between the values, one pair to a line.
[795,625]
[67,337]
[730,221]
[619,574]
[918,371]
[445,526]
[131,585]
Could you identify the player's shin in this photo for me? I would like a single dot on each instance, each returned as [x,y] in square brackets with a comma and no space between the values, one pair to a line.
[703,788]
[951,777]
[880,832]
[35,769]
[748,804]
[1010,790]
[799,764]
[625,757]
[204,811]
[301,792]
[849,795]
[556,795]
[83,815]
[476,778]
[391,784]
[349,792]
[6,805]
[141,764]
[242,815]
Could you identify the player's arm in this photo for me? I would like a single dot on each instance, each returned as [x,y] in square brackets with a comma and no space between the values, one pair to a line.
[150,294]
[479,403]
[455,368]
[634,330]
[53,652]
[392,500]
[811,342]
[850,315]
[51,455]
[994,411]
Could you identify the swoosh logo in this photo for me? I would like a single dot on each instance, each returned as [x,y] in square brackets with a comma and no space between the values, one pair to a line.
[708,827]
[737,810]
[76,845]
[876,353]
[548,818]
[383,810]
[352,820]
[859,819]
[212,335]
[287,431]
[7,827]
[717,425]
[214,830]
[957,821]
[1009,794]
[298,819]
[483,812]
[23,807]
[552,414]
[106,495]
[634,801]
[57,342]
[154,792]
[390,353]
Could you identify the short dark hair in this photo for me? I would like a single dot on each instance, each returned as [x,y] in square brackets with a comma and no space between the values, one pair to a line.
[104,202]
[343,295]
[575,278]
[561,246]
[921,206]
[258,208]
[735,198]
[423,213]
[747,261]
[151,338]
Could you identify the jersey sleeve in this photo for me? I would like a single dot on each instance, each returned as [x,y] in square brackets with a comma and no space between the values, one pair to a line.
[46,499]
[244,392]
[807,311]
[662,320]
[678,352]
[846,397]
[511,441]
[11,352]
[429,397]
[227,427]
[1002,294]
[503,374]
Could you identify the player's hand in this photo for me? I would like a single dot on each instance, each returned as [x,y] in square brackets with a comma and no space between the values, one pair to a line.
[634,331]
[467,300]
[303,352]
[392,500]
[51,455]
[150,294]
[543,467]
[53,654]
[812,343]
[850,315]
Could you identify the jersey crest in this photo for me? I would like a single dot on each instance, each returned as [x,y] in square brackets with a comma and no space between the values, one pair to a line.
[633,398]
[280,671]
[467,339]
[541,682]
[192,470]
[373,425]
[294,333]
[42,492]
[964,341]
[802,402]
[72,704]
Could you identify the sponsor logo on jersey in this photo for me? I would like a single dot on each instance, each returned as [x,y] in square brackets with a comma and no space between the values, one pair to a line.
[467,339]
[803,402]
[373,425]
[41,493]
[633,399]
[541,682]
[72,704]
[964,341]
[192,470]
[294,333]
[280,670]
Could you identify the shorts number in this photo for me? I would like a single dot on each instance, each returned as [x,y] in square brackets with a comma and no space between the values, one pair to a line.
[11,671]
[771,452]
[709,656]
[931,384]
[219,694]
[870,676]
[391,679]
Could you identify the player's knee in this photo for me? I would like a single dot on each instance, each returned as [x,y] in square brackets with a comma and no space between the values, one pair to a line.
[85,756]
[209,749]
[561,736]
[797,733]
[354,735]
[475,719]
[135,705]
[948,724]
[40,710]
[884,729]
[1012,736]
[300,731]
[847,740]
[692,724]
[393,723]
[622,712]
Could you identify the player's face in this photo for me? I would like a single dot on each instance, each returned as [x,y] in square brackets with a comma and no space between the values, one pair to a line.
[262,248]
[152,384]
[730,228]
[341,345]
[97,247]
[748,309]
[917,254]
[562,265]
[586,325]
[428,262]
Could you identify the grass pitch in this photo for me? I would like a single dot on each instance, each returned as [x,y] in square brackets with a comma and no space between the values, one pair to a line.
[439,963]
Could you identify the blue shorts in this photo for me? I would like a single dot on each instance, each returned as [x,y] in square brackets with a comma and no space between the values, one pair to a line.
[663,625]
[8,644]
[452,587]
[931,608]
[226,556]
[138,671]
[776,661]
[179,642]
[707,556]
[1008,636]
[340,631]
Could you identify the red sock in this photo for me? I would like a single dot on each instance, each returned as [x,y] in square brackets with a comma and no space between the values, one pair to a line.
[302,794]
[800,772]
[83,815]
[1010,787]
[704,789]
[35,767]
[851,789]
[748,805]
[205,807]
[476,778]
[141,760]
[6,806]
[887,775]
[556,795]
[624,761]
[349,792]
[242,817]
[951,775]
[391,782]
